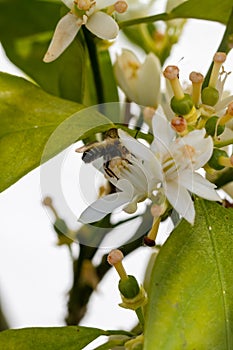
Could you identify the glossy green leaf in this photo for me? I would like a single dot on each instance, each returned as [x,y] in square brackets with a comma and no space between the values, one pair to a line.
[191,290]
[26,28]
[212,10]
[54,338]
[28,117]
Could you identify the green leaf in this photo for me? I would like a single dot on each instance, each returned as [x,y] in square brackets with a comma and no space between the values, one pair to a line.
[212,10]
[28,117]
[191,290]
[26,29]
[54,338]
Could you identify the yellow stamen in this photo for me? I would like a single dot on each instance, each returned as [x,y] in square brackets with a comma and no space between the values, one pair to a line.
[154,231]
[197,80]
[172,74]
[192,116]
[115,258]
[228,116]
[225,161]
[219,59]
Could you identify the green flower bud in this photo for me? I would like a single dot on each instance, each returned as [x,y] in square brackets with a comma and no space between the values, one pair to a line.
[214,160]
[209,96]
[129,287]
[210,126]
[183,106]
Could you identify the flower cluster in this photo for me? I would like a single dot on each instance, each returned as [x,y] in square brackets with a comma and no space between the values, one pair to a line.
[94,14]
[167,172]
[204,106]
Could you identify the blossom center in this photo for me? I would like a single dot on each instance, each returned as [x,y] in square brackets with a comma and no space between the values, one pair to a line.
[83,8]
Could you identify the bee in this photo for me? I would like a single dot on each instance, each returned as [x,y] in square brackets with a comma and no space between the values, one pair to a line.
[110,149]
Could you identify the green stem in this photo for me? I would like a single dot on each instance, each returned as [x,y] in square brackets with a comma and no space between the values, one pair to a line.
[140,316]
[160,17]
[93,55]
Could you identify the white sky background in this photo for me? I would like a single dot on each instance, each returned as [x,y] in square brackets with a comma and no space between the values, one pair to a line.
[35,275]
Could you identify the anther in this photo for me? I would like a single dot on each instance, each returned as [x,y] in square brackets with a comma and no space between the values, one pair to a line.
[179,124]
[47,201]
[115,258]
[172,74]
[219,59]
[120,6]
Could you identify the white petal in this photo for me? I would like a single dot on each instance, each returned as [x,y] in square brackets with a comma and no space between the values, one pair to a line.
[181,200]
[102,4]
[103,26]
[197,184]
[224,103]
[103,206]
[141,152]
[163,134]
[203,146]
[149,82]
[68,3]
[65,32]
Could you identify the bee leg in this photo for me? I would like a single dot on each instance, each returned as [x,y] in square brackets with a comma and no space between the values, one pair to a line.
[108,171]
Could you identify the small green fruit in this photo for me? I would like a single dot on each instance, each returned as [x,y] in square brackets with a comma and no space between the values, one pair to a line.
[209,96]
[213,162]
[183,106]
[129,287]
[210,126]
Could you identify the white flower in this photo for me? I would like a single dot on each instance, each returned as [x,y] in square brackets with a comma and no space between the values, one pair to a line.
[83,12]
[169,166]
[134,183]
[140,82]
[179,158]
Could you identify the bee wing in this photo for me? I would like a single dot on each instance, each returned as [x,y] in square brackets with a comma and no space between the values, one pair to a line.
[86,147]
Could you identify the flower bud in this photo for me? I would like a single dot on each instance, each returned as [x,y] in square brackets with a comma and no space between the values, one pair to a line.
[139,81]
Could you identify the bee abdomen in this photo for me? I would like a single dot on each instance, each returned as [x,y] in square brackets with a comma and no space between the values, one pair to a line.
[92,154]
